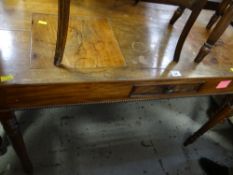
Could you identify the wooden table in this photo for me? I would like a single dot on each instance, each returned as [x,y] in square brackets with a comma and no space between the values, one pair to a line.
[115,52]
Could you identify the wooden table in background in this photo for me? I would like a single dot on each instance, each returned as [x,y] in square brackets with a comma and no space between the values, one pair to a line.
[115,52]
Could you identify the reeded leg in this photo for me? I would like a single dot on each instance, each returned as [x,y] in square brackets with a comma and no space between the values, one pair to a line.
[195,13]
[11,127]
[223,114]
[215,34]
[62,30]
[177,14]
[220,11]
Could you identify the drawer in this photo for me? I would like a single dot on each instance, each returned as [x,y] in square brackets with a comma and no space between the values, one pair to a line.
[159,89]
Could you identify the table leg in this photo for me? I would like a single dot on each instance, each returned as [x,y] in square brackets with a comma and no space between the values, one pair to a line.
[219,12]
[62,30]
[225,112]
[215,34]
[11,127]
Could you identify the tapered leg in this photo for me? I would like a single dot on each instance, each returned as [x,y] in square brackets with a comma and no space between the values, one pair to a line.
[62,30]
[219,12]
[177,15]
[215,34]
[195,13]
[11,127]
[223,114]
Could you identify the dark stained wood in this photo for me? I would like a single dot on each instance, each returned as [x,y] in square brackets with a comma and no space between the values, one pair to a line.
[212,5]
[225,112]
[219,110]
[216,33]
[150,90]
[3,148]
[63,23]
[219,12]
[177,14]
[196,10]
[11,127]
[183,3]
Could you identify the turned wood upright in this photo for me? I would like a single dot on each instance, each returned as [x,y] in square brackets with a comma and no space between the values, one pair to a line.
[226,9]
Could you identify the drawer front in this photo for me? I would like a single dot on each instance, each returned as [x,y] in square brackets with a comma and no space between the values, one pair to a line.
[150,90]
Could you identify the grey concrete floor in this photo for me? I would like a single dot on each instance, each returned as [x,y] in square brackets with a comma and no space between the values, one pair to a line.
[136,138]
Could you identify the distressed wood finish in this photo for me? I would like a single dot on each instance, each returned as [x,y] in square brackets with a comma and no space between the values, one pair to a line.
[147,70]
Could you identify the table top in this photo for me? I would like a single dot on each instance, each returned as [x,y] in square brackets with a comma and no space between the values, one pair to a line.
[116,41]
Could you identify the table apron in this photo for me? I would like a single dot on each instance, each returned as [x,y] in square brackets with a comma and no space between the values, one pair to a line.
[35,96]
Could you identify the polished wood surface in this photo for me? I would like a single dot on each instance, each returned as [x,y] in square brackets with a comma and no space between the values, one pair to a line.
[142,52]
[91,44]
[136,65]
[146,43]
[194,5]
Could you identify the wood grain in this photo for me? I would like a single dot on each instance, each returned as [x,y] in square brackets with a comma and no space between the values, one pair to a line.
[145,40]
[91,44]
[147,45]
[47,95]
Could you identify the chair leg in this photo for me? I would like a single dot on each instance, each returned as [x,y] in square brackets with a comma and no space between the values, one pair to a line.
[215,34]
[179,11]
[223,114]
[136,2]
[11,127]
[195,13]
[62,30]
[3,148]
[219,12]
